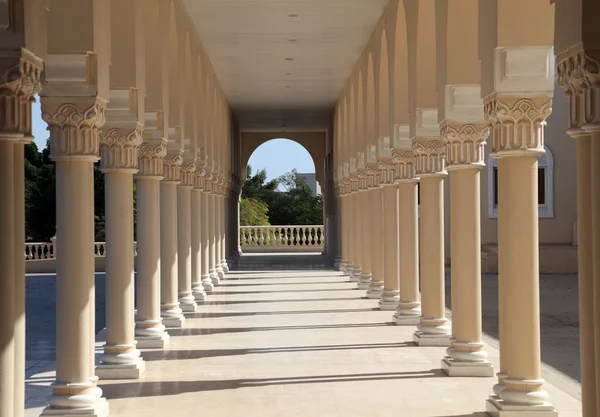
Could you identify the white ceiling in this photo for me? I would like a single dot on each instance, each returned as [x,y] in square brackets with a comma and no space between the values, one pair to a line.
[249,41]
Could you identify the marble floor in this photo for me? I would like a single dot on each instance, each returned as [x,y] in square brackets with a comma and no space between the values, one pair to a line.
[295,343]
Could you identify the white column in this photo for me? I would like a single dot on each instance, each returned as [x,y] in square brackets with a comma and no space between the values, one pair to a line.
[390,295]
[434,329]
[377,227]
[169,306]
[119,152]
[205,238]
[79,123]
[212,227]
[196,241]
[149,328]
[224,224]
[187,300]
[218,228]
[365,203]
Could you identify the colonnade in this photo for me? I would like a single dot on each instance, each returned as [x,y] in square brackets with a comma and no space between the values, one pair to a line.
[436,82]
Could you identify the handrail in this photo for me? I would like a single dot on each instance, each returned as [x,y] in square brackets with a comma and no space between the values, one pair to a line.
[282,236]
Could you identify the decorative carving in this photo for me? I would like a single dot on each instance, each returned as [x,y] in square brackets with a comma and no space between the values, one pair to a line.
[372,175]
[172,166]
[405,163]
[150,157]
[387,171]
[430,156]
[579,75]
[20,79]
[199,177]
[120,150]
[74,129]
[188,171]
[465,143]
[517,123]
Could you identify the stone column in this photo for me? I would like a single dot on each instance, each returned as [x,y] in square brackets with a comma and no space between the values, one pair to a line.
[572,72]
[212,243]
[74,143]
[434,329]
[224,227]
[408,311]
[464,160]
[338,262]
[365,203]
[218,227]
[356,230]
[518,125]
[205,235]
[342,230]
[21,79]
[196,240]
[391,294]
[169,304]
[119,144]
[187,300]
[149,329]
[349,229]
[377,227]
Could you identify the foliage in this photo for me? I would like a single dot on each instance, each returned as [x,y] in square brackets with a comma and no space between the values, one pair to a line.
[253,212]
[295,206]
[40,196]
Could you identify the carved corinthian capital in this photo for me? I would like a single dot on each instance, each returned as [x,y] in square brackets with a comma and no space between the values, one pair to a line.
[430,155]
[74,129]
[464,144]
[172,164]
[517,124]
[579,74]
[405,164]
[188,170]
[20,79]
[387,171]
[119,149]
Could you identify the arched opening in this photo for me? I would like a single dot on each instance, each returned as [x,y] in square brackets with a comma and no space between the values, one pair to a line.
[281,206]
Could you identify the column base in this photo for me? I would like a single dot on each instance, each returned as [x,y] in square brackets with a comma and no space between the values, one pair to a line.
[225,267]
[337,263]
[207,284]
[153,342]
[497,407]
[188,307]
[349,269]
[121,371]
[406,320]
[452,367]
[99,409]
[173,322]
[220,273]
[365,281]
[356,274]
[214,277]
[423,339]
[389,300]
[199,294]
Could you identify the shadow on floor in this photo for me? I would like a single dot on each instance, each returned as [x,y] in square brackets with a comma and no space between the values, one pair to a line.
[224,330]
[271,313]
[290,300]
[228,284]
[161,388]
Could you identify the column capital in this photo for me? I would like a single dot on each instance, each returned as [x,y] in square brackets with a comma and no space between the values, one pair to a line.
[579,74]
[20,78]
[120,149]
[405,163]
[430,155]
[372,172]
[199,177]
[387,171]
[172,163]
[464,144]
[517,124]
[154,146]
[188,170]
[74,128]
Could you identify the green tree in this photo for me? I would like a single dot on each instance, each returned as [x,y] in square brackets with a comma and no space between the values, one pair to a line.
[253,212]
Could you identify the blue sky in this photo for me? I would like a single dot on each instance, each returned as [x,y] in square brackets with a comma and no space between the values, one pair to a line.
[277,156]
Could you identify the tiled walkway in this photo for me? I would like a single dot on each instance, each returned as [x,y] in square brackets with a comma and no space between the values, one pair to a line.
[294,343]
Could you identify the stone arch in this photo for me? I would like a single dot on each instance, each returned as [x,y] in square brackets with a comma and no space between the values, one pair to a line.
[314,143]
[383,92]
[401,88]
[188,99]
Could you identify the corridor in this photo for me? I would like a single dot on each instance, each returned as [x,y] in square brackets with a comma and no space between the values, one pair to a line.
[295,342]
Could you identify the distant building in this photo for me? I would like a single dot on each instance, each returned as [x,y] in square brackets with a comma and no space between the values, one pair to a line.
[311,181]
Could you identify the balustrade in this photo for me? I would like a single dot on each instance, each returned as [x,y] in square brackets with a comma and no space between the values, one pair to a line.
[47,250]
[274,238]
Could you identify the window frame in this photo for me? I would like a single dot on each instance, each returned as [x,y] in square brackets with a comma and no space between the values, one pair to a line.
[545,162]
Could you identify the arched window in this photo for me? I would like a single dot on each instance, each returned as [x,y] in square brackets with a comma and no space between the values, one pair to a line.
[545,185]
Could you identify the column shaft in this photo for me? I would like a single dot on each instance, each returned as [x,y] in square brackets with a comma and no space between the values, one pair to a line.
[595,197]
[377,231]
[205,242]
[149,330]
[350,234]
[357,236]
[187,301]
[196,239]
[466,354]
[19,292]
[7,279]
[212,221]
[366,275]
[391,294]
[170,310]
[121,359]
[433,329]
[408,311]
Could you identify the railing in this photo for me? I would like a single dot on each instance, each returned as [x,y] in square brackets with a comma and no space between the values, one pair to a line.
[285,238]
[43,250]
